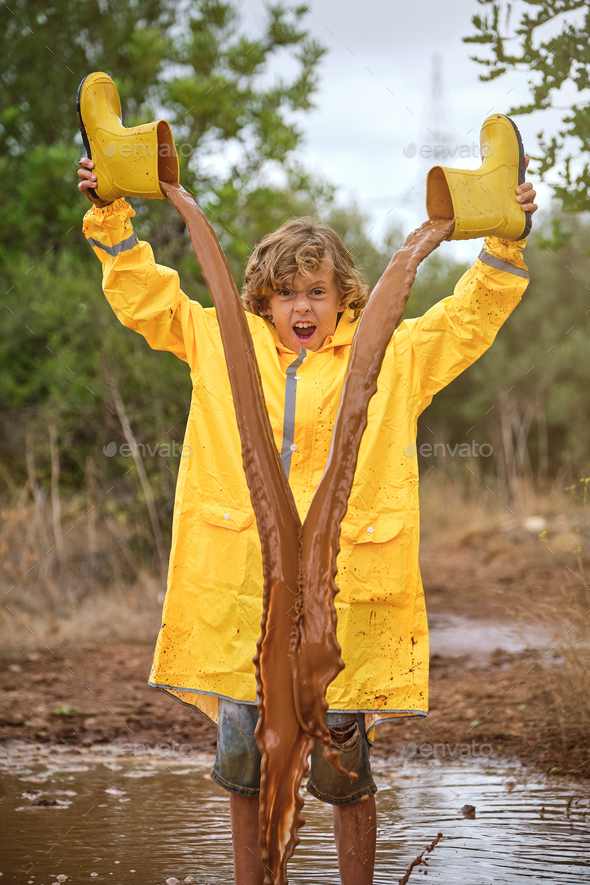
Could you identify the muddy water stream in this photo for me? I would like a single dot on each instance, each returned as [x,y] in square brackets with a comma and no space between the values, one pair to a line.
[145,819]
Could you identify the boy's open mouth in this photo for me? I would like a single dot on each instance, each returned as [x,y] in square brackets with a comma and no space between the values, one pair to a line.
[304,330]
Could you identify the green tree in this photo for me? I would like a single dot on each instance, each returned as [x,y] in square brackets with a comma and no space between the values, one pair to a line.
[189,62]
[550,43]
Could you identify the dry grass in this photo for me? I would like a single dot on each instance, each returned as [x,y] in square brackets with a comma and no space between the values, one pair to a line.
[452,507]
[101,587]
[564,670]
[107,616]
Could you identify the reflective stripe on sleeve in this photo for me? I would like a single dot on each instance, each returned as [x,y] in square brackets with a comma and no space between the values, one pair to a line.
[123,246]
[500,264]
[289,417]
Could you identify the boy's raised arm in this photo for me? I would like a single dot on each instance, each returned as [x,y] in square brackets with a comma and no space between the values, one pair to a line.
[450,336]
[145,296]
[458,330]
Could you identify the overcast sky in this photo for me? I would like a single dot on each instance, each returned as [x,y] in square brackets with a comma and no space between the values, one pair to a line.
[374,98]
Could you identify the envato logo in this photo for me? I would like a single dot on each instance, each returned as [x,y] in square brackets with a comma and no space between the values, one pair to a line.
[463,450]
[137,150]
[133,451]
[448,151]
[165,750]
[457,751]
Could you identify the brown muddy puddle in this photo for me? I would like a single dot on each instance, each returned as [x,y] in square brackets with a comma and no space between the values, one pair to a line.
[478,638]
[144,819]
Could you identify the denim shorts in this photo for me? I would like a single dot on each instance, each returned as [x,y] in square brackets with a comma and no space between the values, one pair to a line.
[237,765]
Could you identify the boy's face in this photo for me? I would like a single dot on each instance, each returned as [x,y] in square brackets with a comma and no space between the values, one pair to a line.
[306,310]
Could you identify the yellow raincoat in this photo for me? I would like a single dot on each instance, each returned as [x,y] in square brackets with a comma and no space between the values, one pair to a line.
[212,611]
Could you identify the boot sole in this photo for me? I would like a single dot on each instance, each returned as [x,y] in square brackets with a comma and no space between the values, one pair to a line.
[91,190]
[521,178]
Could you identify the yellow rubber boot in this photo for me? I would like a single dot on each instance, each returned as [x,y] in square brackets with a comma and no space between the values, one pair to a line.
[483,201]
[127,162]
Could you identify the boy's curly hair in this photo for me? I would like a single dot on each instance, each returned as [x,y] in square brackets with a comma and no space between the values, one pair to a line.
[299,246]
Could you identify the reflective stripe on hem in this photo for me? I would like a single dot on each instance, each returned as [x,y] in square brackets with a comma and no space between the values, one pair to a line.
[123,246]
[370,730]
[409,713]
[289,415]
[500,264]
[214,694]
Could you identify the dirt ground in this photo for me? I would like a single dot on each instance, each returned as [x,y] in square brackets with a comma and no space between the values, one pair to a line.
[97,693]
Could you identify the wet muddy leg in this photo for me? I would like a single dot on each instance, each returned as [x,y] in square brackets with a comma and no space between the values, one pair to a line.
[248,868]
[355,831]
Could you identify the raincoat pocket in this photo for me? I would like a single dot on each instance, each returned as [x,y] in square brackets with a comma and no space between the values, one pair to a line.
[221,550]
[376,556]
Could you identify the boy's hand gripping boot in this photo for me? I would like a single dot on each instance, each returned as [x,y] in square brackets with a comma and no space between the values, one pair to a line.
[127,162]
[483,202]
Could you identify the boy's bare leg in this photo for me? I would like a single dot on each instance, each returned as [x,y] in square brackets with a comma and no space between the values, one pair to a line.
[355,830]
[246,846]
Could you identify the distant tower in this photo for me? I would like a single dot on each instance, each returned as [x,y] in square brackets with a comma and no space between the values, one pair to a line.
[436,124]
[435,135]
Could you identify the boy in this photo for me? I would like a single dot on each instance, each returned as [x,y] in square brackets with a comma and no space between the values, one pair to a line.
[303,298]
